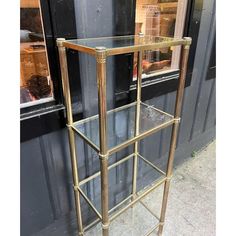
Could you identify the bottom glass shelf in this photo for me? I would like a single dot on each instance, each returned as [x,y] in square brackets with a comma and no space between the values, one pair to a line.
[125,219]
[134,221]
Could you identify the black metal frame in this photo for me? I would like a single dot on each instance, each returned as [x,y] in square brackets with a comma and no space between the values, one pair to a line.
[53,65]
[44,118]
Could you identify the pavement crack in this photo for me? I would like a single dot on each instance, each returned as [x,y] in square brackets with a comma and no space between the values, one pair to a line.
[188,222]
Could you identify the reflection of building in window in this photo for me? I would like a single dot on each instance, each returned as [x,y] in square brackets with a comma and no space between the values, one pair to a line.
[33,55]
[160,18]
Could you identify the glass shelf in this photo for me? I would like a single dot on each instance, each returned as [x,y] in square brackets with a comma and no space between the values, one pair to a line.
[121,126]
[147,178]
[128,223]
[122,44]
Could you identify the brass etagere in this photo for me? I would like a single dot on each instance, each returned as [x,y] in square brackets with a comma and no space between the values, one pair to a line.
[101,48]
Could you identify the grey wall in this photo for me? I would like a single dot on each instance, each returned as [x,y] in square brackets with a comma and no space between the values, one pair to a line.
[46,182]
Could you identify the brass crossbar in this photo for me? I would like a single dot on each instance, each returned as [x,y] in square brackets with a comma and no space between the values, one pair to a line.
[155,227]
[108,112]
[137,199]
[151,211]
[141,136]
[89,226]
[91,144]
[110,167]
[89,202]
[167,114]
[152,165]
[95,175]
[120,203]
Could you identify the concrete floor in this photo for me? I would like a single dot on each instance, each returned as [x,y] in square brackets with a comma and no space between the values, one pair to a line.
[191,205]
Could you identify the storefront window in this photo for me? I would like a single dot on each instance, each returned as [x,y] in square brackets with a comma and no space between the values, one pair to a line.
[35,80]
[159,18]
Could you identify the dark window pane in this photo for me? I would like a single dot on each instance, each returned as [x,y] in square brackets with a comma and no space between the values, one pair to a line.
[35,80]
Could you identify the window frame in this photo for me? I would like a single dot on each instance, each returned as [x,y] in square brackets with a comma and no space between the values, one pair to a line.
[160,83]
[180,22]
[26,112]
[211,70]
[43,118]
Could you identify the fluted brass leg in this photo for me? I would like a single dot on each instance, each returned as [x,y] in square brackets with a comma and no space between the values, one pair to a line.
[73,155]
[137,121]
[103,155]
[178,105]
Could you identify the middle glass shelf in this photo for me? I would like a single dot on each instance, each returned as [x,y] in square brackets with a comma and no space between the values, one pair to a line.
[121,126]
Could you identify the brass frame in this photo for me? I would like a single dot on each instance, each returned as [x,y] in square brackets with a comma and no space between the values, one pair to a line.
[101,53]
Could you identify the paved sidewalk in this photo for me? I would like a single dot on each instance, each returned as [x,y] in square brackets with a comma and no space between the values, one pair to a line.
[191,208]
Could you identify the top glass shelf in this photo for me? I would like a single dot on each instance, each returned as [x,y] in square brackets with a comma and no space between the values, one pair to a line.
[123,44]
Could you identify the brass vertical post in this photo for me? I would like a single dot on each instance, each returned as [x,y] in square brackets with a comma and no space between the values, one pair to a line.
[103,155]
[66,93]
[178,105]
[137,122]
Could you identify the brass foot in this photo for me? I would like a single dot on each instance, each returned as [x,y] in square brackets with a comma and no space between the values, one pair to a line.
[160,230]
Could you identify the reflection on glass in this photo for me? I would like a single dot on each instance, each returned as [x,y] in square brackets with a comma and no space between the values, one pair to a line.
[159,18]
[120,41]
[35,81]
[120,131]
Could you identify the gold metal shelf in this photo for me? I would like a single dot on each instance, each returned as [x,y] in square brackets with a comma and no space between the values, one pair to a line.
[121,208]
[122,44]
[111,131]
[121,126]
